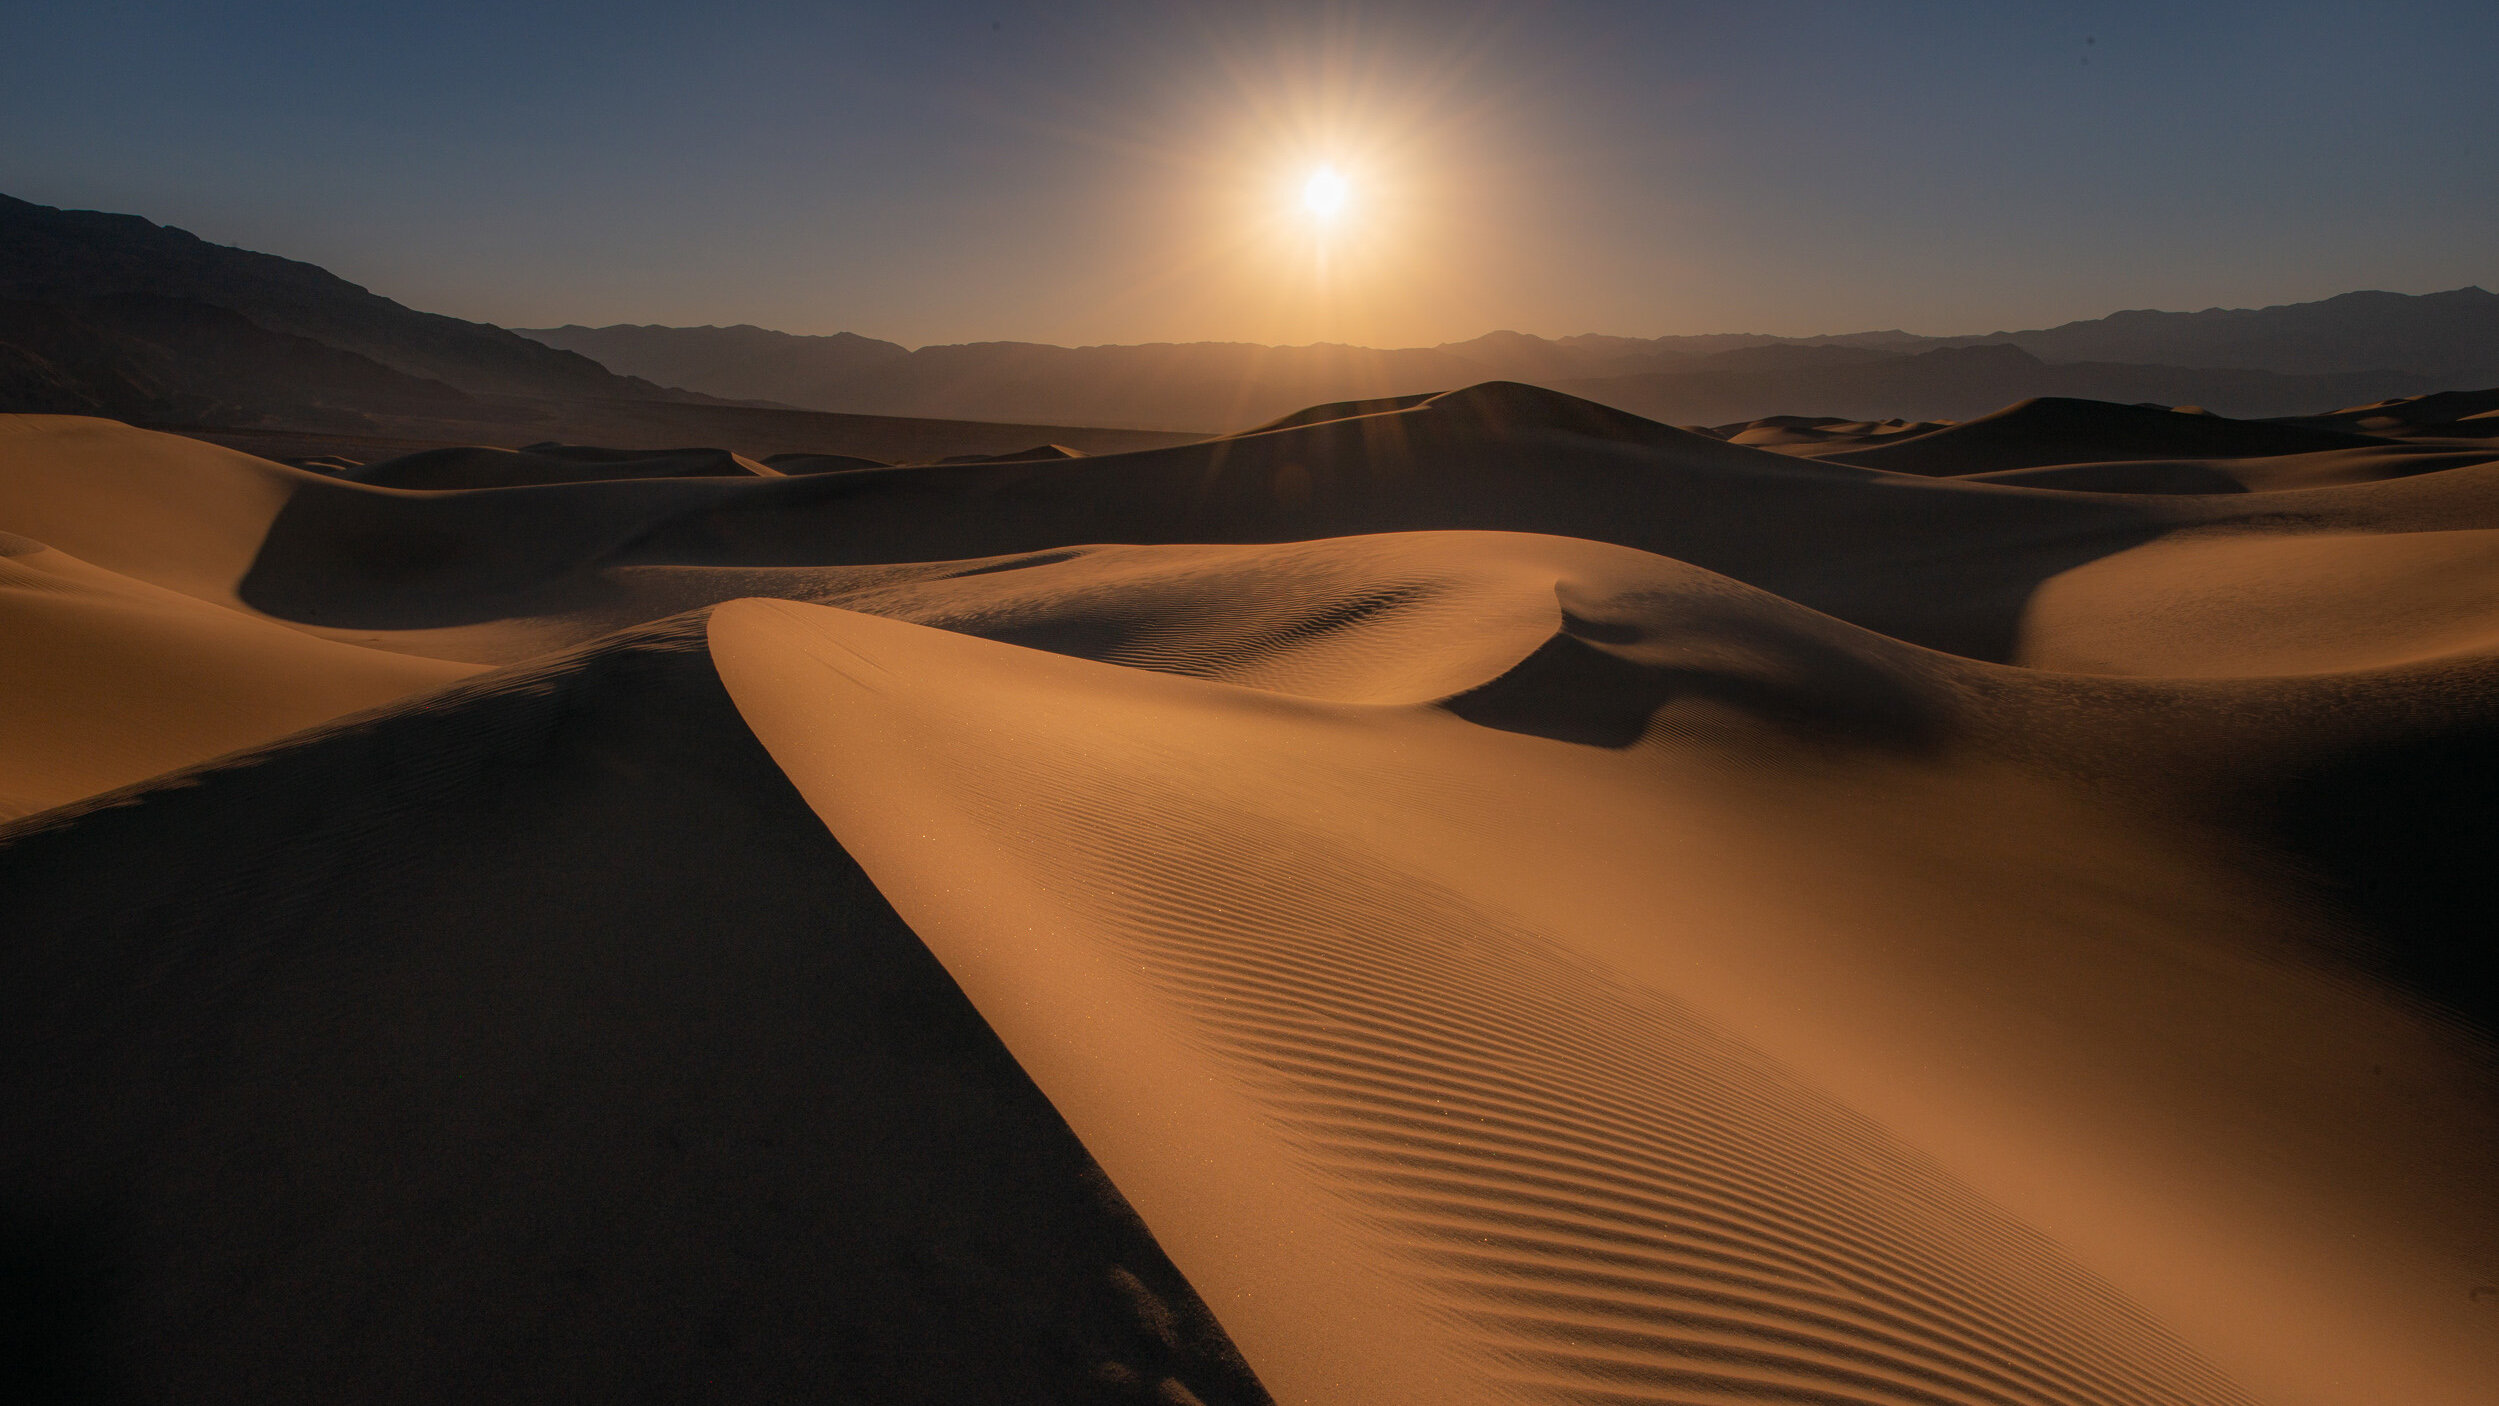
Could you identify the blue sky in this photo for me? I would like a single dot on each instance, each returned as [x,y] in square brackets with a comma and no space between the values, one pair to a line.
[1086,172]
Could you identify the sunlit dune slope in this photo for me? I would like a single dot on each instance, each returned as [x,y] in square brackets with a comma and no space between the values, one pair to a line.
[154,507]
[124,651]
[1482,1032]
[2234,603]
[110,680]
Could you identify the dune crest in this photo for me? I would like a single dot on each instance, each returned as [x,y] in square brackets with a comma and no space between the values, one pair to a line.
[1305,978]
[1410,1152]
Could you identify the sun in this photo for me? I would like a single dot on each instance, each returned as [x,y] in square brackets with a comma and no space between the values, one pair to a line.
[1325,193]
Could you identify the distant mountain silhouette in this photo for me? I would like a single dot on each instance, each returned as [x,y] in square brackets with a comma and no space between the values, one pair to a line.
[2450,337]
[1183,386]
[2256,362]
[1957,383]
[49,255]
[755,363]
[112,315]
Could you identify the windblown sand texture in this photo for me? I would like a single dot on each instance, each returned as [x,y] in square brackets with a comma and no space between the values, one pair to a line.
[1474,898]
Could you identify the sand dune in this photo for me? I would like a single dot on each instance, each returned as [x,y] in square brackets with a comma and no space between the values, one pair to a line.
[1492,998]
[2058,431]
[440,469]
[532,1042]
[2444,407]
[1465,898]
[158,508]
[2241,604]
[1494,457]
[111,680]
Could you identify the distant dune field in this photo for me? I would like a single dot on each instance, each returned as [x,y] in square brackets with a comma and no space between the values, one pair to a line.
[1464,897]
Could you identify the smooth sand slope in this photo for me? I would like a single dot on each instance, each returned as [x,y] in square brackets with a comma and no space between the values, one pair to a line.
[1455,1005]
[1473,898]
[111,680]
[115,675]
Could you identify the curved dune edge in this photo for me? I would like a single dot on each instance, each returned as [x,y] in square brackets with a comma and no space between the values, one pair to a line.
[1427,1115]
[532,1041]
[1408,1148]
[110,680]
[2243,605]
[159,508]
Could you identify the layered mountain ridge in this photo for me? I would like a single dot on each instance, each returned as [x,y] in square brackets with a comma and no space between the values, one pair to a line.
[2250,362]
[114,315]
[107,314]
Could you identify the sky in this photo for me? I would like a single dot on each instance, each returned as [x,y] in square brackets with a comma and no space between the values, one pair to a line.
[1132,170]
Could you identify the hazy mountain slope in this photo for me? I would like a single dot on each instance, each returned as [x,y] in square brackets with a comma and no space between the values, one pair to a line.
[48,254]
[2269,361]
[744,362]
[145,356]
[112,315]
[1207,386]
[2451,337]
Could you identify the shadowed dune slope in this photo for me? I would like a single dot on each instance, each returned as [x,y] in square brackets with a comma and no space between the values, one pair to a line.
[532,1043]
[2273,473]
[1339,410]
[2445,412]
[1017,456]
[819,463]
[550,463]
[1942,564]
[2054,430]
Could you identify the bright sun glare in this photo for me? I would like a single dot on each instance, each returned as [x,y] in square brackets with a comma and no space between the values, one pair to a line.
[1324,194]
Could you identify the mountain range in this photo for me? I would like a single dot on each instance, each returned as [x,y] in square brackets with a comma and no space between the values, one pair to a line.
[111,314]
[73,256]
[2283,360]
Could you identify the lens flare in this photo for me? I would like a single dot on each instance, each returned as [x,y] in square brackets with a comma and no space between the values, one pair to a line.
[1324,194]
[1330,185]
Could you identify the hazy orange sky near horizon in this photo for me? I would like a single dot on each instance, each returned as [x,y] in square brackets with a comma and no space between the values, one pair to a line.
[1115,171]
